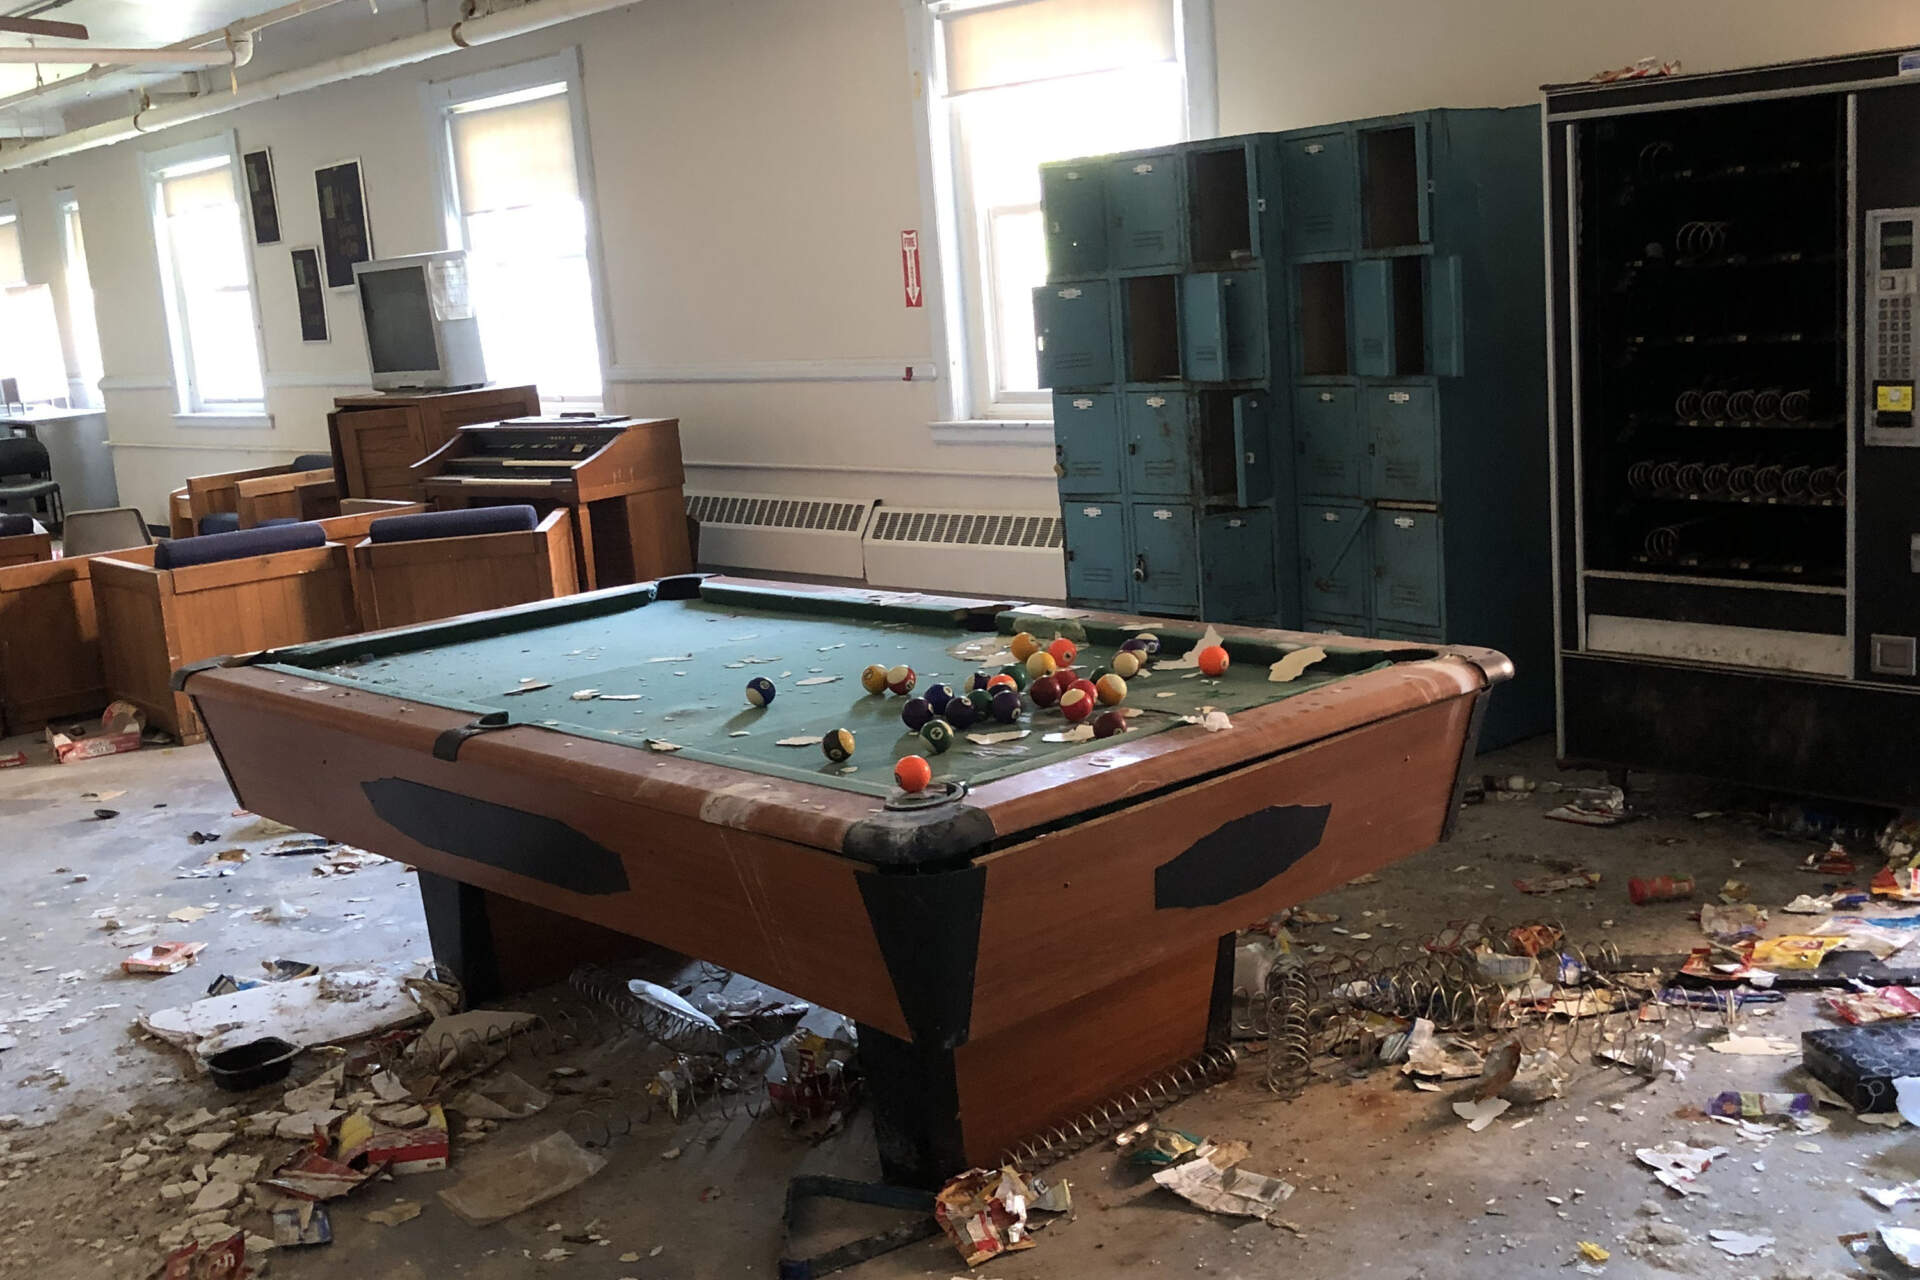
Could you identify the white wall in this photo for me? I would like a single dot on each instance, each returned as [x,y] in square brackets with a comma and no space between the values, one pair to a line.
[755,164]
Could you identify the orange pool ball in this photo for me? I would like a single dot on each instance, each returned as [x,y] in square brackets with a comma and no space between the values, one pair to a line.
[1023,646]
[1213,661]
[1002,681]
[1063,650]
[1040,663]
[913,773]
[1112,690]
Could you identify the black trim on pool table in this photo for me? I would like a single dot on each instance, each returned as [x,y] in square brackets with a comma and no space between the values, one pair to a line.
[928,928]
[447,745]
[527,844]
[460,935]
[1469,752]
[916,1109]
[1237,857]
[943,834]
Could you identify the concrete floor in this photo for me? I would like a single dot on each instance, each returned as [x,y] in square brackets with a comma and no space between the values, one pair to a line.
[1390,1182]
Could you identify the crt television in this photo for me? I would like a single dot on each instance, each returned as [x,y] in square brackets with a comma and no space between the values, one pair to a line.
[420,326]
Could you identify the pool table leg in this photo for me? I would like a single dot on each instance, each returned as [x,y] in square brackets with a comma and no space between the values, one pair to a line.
[499,946]
[938,1111]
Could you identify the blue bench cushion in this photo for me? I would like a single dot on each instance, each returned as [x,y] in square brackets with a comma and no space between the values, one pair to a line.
[453,524]
[312,462]
[12,526]
[214,548]
[278,522]
[220,522]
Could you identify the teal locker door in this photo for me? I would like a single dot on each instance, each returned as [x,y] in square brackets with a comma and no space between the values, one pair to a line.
[1403,437]
[1373,318]
[1166,557]
[1248,322]
[1073,333]
[1318,184]
[1097,561]
[1406,555]
[1143,210]
[1252,449]
[1203,326]
[1446,321]
[1086,443]
[1334,560]
[1236,566]
[1160,442]
[1074,206]
[1333,448]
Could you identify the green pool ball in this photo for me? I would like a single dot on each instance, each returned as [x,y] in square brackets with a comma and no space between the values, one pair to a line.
[1097,672]
[937,734]
[1018,670]
[982,700]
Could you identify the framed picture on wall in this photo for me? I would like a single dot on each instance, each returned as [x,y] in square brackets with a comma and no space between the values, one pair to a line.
[344,236]
[260,196]
[310,287]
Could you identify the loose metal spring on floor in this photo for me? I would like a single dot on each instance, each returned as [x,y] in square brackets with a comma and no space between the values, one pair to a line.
[1130,1106]
[1288,1005]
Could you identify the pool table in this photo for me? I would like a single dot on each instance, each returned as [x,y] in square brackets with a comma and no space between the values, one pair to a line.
[1048,923]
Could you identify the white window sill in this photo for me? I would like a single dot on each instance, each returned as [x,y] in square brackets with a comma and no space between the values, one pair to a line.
[256,421]
[1032,431]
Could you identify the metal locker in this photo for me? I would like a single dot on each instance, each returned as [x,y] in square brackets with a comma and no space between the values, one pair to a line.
[1334,561]
[1252,449]
[1143,210]
[1333,448]
[1073,333]
[1166,556]
[1224,326]
[1373,318]
[1318,182]
[1403,437]
[1247,325]
[1446,318]
[1393,185]
[1097,560]
[1086,443]
[1160,442]
[1074,208]
[1406,568]
[1328,627]
[1236,565]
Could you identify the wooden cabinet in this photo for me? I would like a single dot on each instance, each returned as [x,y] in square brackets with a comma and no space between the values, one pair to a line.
[376,439]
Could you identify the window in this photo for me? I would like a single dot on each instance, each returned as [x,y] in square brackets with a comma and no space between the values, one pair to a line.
[1020,84]
[206,274]
[13,268]
[83,333]
[29,338]
[517,202]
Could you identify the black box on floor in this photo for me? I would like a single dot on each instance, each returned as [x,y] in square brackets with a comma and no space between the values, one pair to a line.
[1861,1063]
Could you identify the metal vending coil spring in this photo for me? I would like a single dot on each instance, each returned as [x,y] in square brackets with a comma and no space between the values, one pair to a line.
[671,1031]
[1769,480]
[1687,403]
[1289,1004]
[1766,404]
[1714,480]
[1640,476]
[1740,403]
[1105,1119]
[1691,478]
[1794,405]
[1797,482]
[1663,544]
[1740,482]
[1714,404]
[1666,475]
[1826,482]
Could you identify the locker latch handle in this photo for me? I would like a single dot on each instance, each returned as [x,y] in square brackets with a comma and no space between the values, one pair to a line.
[1139,568]
[1133,447]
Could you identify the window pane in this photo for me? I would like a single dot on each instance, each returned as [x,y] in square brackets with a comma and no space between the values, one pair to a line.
[81,320]
[31,340]
[11,270]
[1017,255]
[209,259]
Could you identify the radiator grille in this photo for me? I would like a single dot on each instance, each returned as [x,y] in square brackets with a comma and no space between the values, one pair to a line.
[818,514]
[966,528]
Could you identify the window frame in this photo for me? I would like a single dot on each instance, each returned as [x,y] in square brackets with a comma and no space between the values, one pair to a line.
[191,409]
[963,346]
[80,393]
[439,98]
[10,208]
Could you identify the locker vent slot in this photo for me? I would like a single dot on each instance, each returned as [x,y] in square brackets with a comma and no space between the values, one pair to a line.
[967,528]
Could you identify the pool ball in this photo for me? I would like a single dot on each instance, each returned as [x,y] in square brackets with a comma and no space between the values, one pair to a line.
[1150,642]
[1126,664]
[913,773]
[937,734]
[874,679]
[1006,706]
[960,712]
[1095,674]
[1111,689]
[1001,680]
[916,712]
[1085,686]
[982,703]
[1109,723]
[1063,650]
[1023,646]
[1040,663]
[1045,691]
[1213,661]
[837,745]
[1018,672]
[936,696]
[760,691]
[900,679]
[1076,704]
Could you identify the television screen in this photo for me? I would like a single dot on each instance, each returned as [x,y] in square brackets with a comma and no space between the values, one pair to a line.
[399,320]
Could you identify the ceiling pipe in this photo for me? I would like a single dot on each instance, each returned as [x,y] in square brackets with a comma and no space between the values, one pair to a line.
[534,16]
[121,57]
[245,28]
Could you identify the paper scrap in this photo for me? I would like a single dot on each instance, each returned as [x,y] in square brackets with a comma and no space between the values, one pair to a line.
[1191,658]
[1213,1181]
[801,741]
[534,687]
[1290,666]
[1079,733]
[1757,1046]
[1003,735]
[1479,1114]
[816,680]
[1740,1244]
[1677,1165]
[549,1167]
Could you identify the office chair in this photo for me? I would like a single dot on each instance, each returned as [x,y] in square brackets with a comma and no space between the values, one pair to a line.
[24,456]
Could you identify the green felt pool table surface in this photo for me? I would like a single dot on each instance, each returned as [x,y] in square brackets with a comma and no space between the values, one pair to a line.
[661,674]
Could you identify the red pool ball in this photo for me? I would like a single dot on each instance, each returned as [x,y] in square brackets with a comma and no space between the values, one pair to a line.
[1076,704]
[1109,723]
[913,773]
[1085,686]
[900,679]
[1045,691]
[1001,681]
[1063,650]
[1213,661]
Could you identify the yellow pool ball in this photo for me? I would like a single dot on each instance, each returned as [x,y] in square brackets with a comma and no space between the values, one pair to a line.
[1040,663]
[1023,646]
[874,679]
[1126,664]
